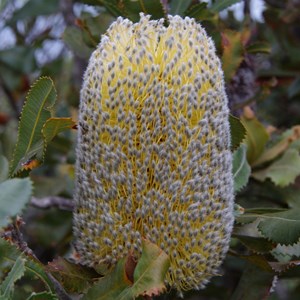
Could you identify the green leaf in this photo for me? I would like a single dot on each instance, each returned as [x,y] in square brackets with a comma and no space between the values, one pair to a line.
[150,272]
[178,7]
[115,7]
[97,25]
[54,126]
[9,253]
[286,252]
[14,195]
[259,47]
[17,272]
[256,244]
[36,111]
[220,5]
[42,296]
[255,284]
[283,171]
[74,278]
[232,52]
[148,277]
[74,39]
[264,210]
[291,196]
[238,132]
[4,168]
[240,169]
[256,138]
[288,140]
[280,267]
[282,227]
[251,215]
[133,9]
[245,219]
[256,260]
[200,12]
[238,210]
[110,286]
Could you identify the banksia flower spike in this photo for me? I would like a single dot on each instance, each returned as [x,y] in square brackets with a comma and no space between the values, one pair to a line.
[153,157]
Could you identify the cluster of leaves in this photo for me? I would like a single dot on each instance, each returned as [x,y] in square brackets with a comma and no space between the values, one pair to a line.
[266,163]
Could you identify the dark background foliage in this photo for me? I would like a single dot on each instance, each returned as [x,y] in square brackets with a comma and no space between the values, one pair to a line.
[261,61]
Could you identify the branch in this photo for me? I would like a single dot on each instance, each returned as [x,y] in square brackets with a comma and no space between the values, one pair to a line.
[66,8]
[53,201]
[165,5]
[14,235]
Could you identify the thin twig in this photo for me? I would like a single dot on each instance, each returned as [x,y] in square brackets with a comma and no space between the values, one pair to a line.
[165,5]
[53,201]
[15,236]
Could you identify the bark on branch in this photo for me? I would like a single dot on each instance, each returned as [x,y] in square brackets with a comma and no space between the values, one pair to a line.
[53,201]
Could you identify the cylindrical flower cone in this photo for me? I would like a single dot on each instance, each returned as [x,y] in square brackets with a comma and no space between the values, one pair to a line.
[153,153]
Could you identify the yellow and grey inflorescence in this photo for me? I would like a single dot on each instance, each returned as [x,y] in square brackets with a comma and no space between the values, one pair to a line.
[153,157]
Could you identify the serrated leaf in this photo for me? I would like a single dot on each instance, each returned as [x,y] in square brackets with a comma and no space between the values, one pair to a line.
[220,5]
[14,195]
[74,278]
[149,274]
[282,227]
[133,8]
[10,253]
[232,52]
[238,210]
[199,11]
[148,277]
[264,210]
[4,168]
[257,260]
[256,244]
[288,139]
[178,7]
[255,284]
[283,171]
[54,126]
[256,138]
[115,7]
[17,272]
[36,110]
[240,168]
[251,215]
[97,25]
[245,219]
[286,252]
[42,296]
[237,132]
[259,47]
[280,267]
[291,196]
[110,286]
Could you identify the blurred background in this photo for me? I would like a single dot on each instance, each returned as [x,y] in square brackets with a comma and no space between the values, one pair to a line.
[259,44]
